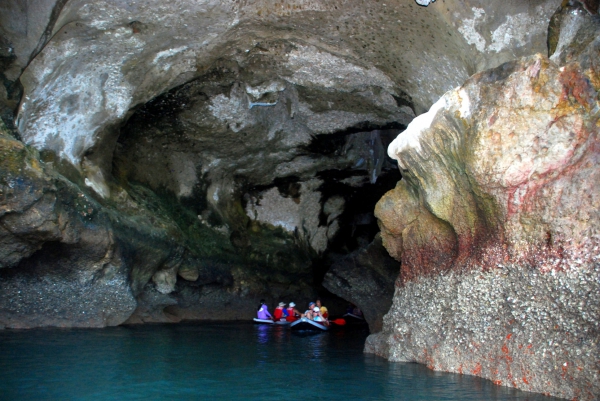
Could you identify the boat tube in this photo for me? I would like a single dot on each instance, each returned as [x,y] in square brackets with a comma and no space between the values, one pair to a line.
[263,321]
[354,319]
[269,321]
[307,324]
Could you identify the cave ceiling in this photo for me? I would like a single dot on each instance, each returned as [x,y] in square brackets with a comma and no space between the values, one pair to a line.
[219,102]
[85,66]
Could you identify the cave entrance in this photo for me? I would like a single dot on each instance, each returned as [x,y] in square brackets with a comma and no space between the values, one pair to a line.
[263,205]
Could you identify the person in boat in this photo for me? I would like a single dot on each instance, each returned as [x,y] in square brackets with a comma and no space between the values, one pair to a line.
[311,306]
[263,311]
[318,316]
[323,309]
[356,311]
[292,312]
[280,312]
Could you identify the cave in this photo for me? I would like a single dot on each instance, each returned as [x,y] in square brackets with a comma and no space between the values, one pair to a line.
[167,162]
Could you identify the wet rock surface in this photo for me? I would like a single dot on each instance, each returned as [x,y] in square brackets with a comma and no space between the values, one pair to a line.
[496,223]
[60,258]
[512,325]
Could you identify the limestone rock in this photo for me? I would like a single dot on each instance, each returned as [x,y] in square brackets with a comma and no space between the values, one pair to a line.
[165,280]
[500,197]
[111,57]
[65,268]
[189,273]
[27,197]
[366,278]
[298,214]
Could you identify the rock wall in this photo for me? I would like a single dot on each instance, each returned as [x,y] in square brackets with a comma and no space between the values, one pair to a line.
[71,259]
[366,278]
[496,223]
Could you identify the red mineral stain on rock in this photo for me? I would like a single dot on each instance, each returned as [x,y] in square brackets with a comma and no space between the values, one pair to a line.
[477,370]
[577,86]
[525,380]
[429,360]
[505,349]
[508,337]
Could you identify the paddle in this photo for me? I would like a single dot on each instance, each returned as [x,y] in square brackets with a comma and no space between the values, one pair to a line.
[339,322]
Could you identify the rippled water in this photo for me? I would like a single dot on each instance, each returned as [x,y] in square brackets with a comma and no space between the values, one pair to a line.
[218,361]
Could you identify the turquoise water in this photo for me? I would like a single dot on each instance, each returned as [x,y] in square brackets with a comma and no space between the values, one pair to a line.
[218,361]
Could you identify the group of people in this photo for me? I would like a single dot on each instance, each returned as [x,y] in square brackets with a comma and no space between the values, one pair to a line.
[316,311]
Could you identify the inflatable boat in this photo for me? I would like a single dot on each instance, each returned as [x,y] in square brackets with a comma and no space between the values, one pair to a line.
[307,324]
[354,319]
[269,321]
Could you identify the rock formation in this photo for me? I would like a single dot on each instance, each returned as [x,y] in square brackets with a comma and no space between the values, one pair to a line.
[162,161]
[496,224]
[366,278]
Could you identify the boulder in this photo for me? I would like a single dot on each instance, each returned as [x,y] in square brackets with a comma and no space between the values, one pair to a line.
[496,224]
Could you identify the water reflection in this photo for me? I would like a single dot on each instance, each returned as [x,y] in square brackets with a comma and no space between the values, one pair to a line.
[264,333]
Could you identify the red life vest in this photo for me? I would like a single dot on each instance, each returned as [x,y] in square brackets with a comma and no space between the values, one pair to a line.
[291,316]
[278,313]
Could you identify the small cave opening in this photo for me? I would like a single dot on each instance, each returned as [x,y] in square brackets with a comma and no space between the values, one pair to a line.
[360,190]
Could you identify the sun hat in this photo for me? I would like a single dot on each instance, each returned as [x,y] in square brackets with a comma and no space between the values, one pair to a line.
[292,304]
[282,304]
[316,309]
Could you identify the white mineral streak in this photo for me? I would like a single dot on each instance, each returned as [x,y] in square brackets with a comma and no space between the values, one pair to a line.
[329,121]
[511,29]
[424,2]
[167,53]
[73,102]
[411,137]
[469,29]
[184,171]
[276,210]
[79,98]
[301,216]
[569,29]
[99,187]
[516,31]
[258,91]
[232,110]
[313,67]
[88,85]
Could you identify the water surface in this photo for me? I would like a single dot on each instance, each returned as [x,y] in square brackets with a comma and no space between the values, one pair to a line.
[218,361]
